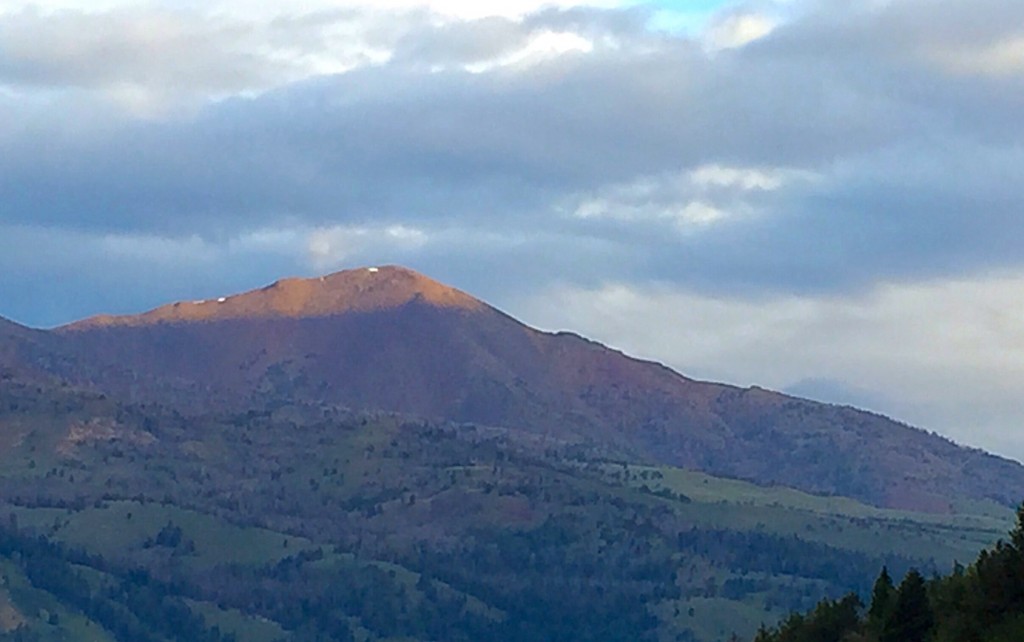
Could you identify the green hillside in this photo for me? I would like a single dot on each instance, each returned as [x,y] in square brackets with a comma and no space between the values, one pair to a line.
[301,522]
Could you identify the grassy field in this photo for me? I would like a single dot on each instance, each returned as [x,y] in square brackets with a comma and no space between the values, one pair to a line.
[838,521]
[122,527]
[245,627]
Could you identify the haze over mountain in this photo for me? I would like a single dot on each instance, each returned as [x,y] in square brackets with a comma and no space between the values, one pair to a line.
[391,339]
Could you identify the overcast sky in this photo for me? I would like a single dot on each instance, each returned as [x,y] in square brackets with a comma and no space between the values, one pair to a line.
[819,196]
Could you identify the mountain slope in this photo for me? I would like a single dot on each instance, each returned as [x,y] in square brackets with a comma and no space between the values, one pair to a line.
[31,355]
[391,339]
[319,523]
[15,339]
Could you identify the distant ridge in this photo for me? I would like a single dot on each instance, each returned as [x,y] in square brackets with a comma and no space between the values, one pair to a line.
[391,339]
[358,290]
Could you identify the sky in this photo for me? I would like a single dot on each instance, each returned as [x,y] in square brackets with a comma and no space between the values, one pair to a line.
[818,196]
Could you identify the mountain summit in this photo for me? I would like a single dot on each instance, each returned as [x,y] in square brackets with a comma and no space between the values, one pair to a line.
[359,290]
[390,339]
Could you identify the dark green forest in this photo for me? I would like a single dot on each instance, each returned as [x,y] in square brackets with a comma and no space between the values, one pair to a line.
[983,602]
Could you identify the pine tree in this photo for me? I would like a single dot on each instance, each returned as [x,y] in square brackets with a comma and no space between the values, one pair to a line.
[911,619]
[1017,534]
[882,597]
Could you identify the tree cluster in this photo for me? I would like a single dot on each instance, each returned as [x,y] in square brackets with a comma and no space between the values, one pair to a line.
[981,603]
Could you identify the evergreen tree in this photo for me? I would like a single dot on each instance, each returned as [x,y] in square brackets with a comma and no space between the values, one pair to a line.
[1017,534]
[980,603]
[911,619]
[882,597]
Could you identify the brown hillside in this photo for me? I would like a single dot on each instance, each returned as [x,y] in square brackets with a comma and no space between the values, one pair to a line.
[395,340]
[30,355]
[362,290]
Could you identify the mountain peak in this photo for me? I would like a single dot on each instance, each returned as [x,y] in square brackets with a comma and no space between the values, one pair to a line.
[363,289]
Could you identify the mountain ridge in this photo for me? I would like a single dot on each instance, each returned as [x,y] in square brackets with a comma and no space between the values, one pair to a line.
[390,339]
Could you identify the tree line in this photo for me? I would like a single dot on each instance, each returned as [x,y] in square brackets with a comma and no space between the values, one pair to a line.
[983,602]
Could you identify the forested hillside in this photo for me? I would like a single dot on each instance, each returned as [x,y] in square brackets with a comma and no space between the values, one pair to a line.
[983,602]
[312,522]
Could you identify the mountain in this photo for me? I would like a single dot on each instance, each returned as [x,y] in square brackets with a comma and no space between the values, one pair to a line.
[376,456]
[390,339]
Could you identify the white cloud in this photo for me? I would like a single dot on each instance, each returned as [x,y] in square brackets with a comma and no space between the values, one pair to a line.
[947,356]
[541,46]
[747,178]
[155,58]
[696,198]
[738,29]
[142,59]
[332,246]
[684,216]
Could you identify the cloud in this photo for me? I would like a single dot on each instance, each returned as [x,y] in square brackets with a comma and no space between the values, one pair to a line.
[1001,58]
[689,200]
[738,29]
[813,158]
[338,245]
[153,60]
[744,178]
[158,59]
[460,9]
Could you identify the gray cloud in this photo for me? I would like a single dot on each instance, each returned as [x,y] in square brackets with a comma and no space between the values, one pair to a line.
[916,163]
[156,61]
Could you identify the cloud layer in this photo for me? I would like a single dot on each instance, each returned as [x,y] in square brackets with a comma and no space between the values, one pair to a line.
[771,162]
